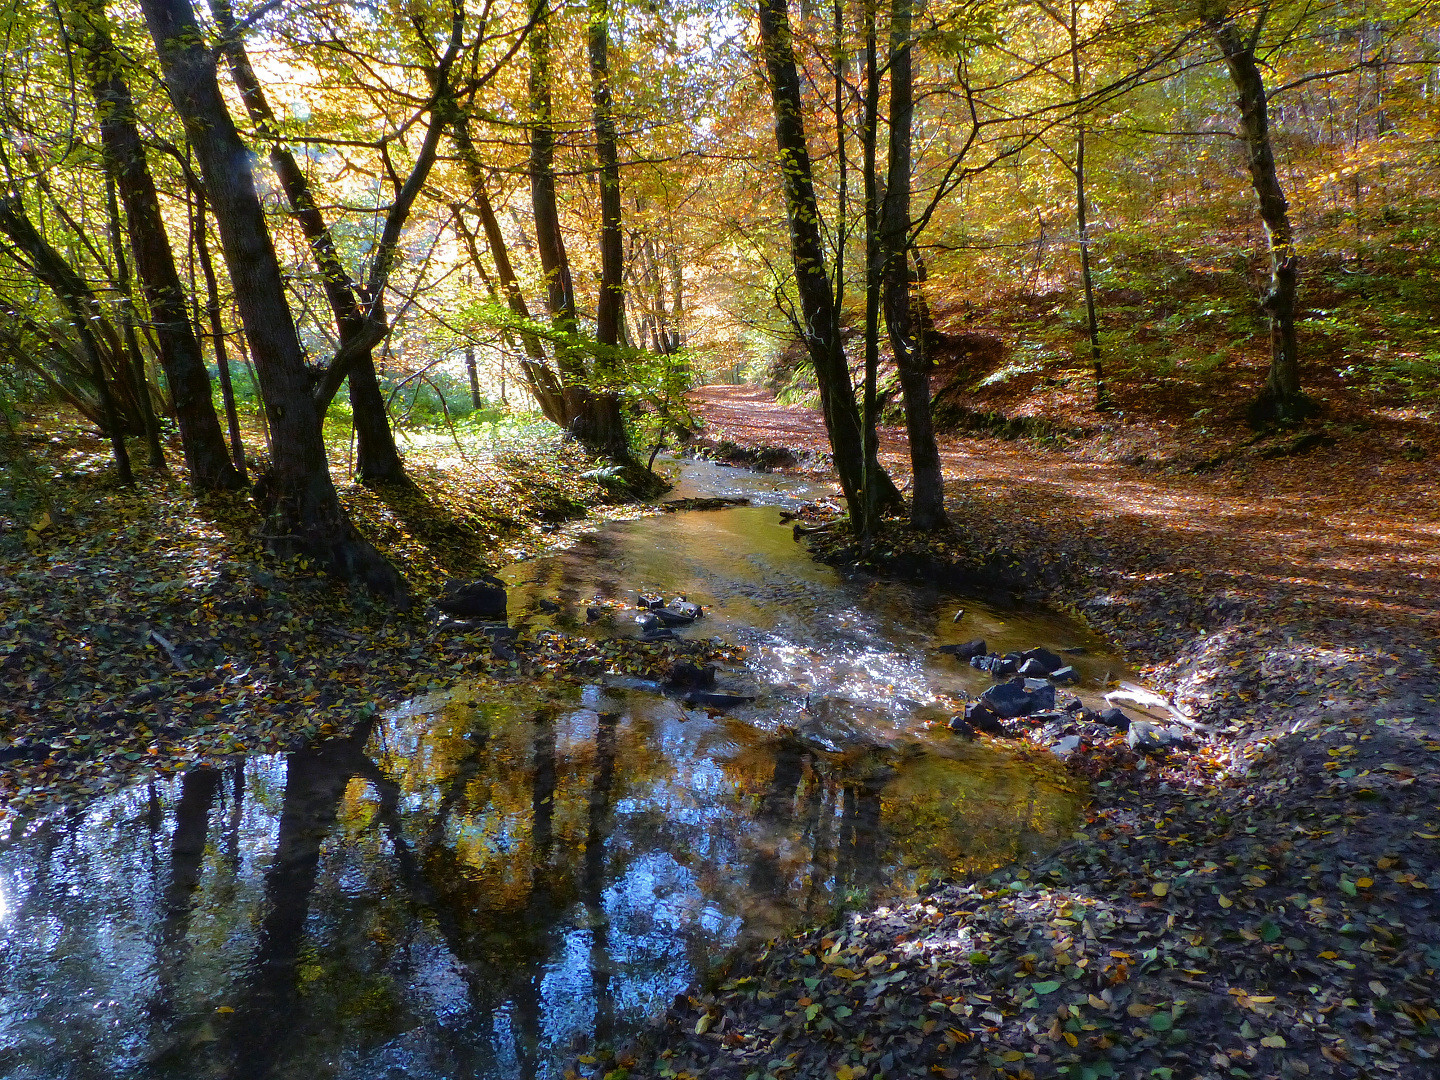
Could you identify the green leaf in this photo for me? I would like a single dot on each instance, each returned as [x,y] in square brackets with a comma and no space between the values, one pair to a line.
[1045,987]
[1161,1021]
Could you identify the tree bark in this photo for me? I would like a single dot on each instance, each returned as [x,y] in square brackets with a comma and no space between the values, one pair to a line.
[379,457]
[217,338]
[603,422]
[128,320]
[593,416]
[541,379]
[304,512]
[85,315]
[1102,398]
[1281,397]
[927,501]
[180,353]
[812,283]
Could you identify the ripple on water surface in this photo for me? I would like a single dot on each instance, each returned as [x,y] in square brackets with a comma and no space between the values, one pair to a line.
[472,887]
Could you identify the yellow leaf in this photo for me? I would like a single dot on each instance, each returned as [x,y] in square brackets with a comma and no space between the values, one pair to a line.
[225,1009]
[1273,1041]
[1226,902]
[1160,888]
[1071,1039]
[1364,882]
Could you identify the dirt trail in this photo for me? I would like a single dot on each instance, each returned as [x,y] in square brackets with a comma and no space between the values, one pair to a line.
[1340,527]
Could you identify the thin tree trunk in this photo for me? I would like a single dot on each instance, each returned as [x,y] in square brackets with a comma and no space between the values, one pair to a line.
[837,395]
[604,423]
[180,354]
[1281,397]
[927,501]
[127,328]
[1102,398]
[379,457]
[217,339]
[475,399]
[305,515]
[80,301]
[869,125]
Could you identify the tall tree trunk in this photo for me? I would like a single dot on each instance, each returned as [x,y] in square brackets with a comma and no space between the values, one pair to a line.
[1102,398]
[837,395]
[927,501]
[180,353]
[869,125]
[603,422]
[141,384]
[1281,397]
[305,515]
[379,457]
[217,338]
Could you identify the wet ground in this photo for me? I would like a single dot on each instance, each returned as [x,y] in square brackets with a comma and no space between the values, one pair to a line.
[472,886]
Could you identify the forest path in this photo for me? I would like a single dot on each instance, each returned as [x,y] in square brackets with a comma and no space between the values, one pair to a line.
[1342,527]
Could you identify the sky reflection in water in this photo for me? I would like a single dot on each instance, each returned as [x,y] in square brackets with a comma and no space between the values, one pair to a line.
[474,887]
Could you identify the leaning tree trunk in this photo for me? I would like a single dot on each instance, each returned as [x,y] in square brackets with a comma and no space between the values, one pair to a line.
[1281,398]
[75,294]
[304,513]
[837,396]
[180,354]
[379,457]
[543,383]
[927,502]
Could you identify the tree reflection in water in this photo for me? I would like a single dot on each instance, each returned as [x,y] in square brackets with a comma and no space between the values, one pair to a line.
[460,893]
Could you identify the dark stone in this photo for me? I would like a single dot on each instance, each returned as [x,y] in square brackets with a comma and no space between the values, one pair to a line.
[1074,705]
[981,717]
[999,666]
[649,601]
[966,650]
[678,613]
[717,701]
[687,676]
[1012,699]
[1045,658]
[1065,676]
[1115,718]
[1032,669]
[960,726]
[1146,737]
[648,623]
[547,606]
[483,598]
[592,614]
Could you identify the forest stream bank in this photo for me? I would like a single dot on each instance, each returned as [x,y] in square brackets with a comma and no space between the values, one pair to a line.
[1262,905]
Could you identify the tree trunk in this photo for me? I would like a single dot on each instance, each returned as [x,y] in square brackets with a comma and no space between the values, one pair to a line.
[1102,399]
[217,339]
[544,385]
[379,457]
[594,416]
[141,385]
[1281,399]
[601,425]
[85,315]
[927,501]
[869,125]
[180,353]
[837,395]
[305,515]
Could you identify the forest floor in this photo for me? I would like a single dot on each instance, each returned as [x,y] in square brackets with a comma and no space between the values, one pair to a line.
[1263,903]
[143,630]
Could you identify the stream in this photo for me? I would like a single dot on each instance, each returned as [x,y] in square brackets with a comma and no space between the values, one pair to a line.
[480,885]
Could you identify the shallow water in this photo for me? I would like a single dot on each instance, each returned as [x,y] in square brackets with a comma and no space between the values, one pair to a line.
[473,887]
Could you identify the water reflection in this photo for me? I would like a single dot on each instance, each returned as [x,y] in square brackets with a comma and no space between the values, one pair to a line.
[467,886]
[460,894]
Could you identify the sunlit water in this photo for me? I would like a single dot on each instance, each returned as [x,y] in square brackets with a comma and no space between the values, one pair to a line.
[472,887]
